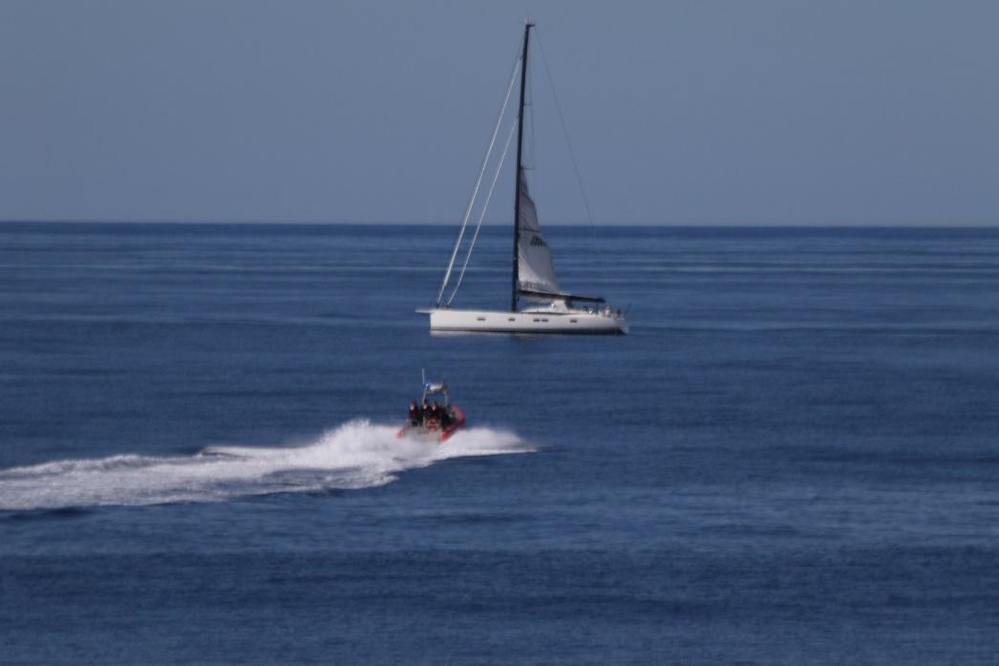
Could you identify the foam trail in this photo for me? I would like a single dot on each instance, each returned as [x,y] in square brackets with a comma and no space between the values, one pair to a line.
[355,455]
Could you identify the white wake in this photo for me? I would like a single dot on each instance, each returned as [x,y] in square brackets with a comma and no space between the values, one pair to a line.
[355,455]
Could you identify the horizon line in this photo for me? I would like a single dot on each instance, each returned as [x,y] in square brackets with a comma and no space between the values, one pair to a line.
[679,224]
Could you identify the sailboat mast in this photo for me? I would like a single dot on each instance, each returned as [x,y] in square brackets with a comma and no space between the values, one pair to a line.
[520,168]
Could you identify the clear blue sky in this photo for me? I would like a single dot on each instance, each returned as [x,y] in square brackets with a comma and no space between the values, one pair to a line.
[679,111]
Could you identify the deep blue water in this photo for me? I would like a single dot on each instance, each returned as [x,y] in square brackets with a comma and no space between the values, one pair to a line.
[793,458]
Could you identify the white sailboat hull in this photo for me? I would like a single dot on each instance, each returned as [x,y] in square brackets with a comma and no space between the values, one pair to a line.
[574,321]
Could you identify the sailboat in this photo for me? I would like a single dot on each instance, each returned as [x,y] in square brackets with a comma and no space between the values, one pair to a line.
[547,307]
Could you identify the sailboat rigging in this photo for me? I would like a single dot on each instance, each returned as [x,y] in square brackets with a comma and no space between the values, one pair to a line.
[550,309]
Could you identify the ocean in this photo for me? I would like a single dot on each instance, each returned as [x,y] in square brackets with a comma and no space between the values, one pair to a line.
[792,459]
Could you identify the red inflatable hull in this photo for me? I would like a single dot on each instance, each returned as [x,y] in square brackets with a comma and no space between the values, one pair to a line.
[433,429]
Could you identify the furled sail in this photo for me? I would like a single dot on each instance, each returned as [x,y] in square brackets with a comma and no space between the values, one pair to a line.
[535,273]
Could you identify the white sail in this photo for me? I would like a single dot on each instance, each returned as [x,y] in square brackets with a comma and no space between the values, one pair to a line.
[535,271]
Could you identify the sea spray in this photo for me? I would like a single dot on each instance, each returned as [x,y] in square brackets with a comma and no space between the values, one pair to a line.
[355,455]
